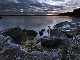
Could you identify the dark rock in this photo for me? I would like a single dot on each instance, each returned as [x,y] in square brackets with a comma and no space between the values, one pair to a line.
[15,33]
[51,42]
[55,32]
[0,17]
[41,32]
[30,33]
[18,35]
[67,35]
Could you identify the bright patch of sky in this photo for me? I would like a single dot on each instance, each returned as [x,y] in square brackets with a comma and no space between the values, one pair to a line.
[54,2]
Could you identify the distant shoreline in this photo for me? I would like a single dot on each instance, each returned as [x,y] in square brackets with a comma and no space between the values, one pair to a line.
[28,15]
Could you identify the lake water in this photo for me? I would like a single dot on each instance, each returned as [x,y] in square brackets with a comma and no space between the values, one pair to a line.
[32,22]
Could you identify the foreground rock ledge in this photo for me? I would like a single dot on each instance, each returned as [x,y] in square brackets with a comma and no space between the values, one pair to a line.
[11,51]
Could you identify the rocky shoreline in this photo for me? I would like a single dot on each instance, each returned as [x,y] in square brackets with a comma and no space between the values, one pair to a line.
[11,51]
[62,44]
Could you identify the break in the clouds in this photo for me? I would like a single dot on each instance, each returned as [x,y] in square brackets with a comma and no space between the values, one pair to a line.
[52,2]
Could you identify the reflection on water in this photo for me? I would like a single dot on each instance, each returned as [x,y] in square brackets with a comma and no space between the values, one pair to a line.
[31,22]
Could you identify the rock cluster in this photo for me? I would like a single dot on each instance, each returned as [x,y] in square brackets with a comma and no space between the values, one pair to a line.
[11,51]
[62,31]
[69,35]
[66,43]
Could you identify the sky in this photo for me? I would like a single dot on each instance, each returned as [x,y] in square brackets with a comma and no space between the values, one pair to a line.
[61,2]
[53,2]
[69,5]
[59,5]
[16,1]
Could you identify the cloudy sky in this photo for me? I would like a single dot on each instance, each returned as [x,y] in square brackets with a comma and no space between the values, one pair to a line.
[68,4]
[61,2]
[58,5]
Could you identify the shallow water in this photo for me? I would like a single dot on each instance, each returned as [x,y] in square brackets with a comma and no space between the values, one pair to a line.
[32,22]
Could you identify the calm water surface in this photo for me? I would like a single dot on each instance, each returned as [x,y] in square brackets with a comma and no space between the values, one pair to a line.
[31,22]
